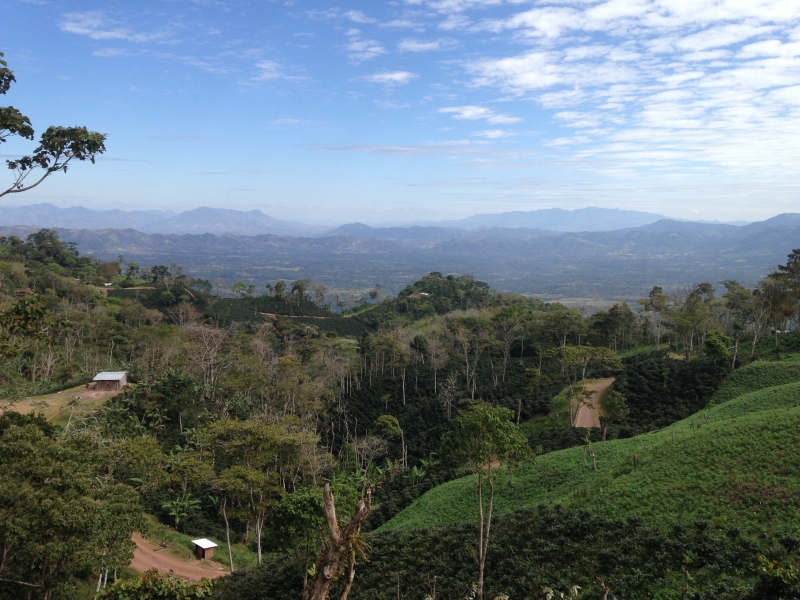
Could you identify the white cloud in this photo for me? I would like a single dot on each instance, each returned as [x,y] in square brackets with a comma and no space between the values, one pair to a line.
[112,53]
[455,6]
[654,82]
[391,77]
[97,26]
[475,113]
[358,17]
[402,24]
[493,134]
[270,70]
[360,49]
[412,45]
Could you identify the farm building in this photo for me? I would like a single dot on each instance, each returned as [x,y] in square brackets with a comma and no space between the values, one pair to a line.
[204,549]
[111,381]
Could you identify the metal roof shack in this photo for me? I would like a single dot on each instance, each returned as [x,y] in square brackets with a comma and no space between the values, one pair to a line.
[111,381]
[204,549]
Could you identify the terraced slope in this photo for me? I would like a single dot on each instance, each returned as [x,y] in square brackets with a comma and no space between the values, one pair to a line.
[733,463]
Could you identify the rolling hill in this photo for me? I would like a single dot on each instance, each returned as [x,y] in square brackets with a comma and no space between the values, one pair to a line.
[729,464]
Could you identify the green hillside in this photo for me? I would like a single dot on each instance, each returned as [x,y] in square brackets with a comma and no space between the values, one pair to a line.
[757,376]
[729,464]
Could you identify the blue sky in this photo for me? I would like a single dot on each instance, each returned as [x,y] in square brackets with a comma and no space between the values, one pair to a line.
[418,109]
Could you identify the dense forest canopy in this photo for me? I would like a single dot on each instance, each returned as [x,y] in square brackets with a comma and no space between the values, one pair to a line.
[246,418]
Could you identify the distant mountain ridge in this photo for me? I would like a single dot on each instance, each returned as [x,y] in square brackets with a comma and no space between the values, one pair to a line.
[196,221]
[558,219]
[609,265]
[536,223]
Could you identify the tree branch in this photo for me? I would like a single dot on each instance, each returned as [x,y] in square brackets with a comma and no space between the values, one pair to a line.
[34,585]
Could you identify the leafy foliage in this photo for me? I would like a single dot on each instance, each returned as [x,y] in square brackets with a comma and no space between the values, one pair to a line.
[661,390]
[152,585]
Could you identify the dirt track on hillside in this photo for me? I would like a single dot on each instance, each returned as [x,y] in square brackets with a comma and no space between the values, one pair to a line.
[147,557]
[589,416]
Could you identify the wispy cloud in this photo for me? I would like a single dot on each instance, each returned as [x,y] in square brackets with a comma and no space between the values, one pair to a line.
[649,82]
[360,49]
[493,134]
[97,26]
[454,6]
[413,45]
[475,113]
[391,77]
[270,70]
[181,138]
[402,24]
[358,17]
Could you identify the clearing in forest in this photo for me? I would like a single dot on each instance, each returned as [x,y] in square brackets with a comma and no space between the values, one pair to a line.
[58,406]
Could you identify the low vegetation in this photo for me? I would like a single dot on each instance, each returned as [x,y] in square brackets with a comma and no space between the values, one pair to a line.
[251,419]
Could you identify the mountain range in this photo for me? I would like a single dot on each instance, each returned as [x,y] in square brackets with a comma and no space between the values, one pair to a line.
[254,222]
[611,265]
[199,220]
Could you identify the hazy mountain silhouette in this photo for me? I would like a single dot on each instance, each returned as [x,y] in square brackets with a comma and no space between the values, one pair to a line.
[558,219]
[199,220]
[622,264]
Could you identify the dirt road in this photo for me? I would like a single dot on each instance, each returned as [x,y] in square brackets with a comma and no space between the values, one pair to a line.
[590,416]
[147,557]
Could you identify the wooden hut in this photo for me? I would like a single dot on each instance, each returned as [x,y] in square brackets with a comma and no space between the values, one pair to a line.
[204,549]
[111,381]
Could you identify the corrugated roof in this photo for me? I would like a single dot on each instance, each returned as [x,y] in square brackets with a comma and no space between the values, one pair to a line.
[204,543]
[110,376]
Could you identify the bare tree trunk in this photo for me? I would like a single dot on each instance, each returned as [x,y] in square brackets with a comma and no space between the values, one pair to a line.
[351,575]
[227,532]
[339,546]
[486,527]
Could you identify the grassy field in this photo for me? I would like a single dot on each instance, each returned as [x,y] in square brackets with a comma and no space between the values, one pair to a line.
[58,406]
[730,464]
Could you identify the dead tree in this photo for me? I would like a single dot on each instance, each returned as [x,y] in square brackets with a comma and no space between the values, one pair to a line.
[340,548]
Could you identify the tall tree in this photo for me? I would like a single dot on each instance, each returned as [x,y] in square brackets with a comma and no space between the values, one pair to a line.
[482,439]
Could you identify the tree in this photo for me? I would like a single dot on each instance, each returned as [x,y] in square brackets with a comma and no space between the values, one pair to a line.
[656,305]
[507,323]
[437,354]
[58,146]
[470,338]
[484,437]
[60,513]
[562,321]
[239,289]
[614,410]
[343,544]
[319,294]
[279,288]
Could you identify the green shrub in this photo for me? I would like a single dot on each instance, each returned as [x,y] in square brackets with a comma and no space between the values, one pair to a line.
[155,586]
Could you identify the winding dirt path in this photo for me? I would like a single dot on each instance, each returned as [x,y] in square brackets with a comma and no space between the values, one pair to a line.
[147,556]
[590,416]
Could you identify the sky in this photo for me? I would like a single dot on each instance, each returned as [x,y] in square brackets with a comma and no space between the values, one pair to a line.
[416,110]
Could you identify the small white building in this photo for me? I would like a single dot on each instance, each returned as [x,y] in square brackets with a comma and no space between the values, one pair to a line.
[111,381]
[204,549]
